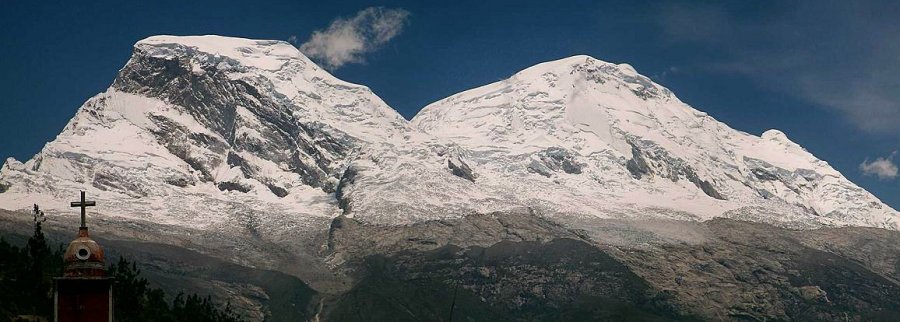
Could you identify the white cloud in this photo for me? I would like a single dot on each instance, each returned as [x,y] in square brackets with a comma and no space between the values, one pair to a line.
[883,168]
[347,40]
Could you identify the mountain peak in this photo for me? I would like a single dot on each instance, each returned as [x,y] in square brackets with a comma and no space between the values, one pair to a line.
[229,126]
[579,64]
[602,128]
[176,68]
[775,135]
[208,43]
[263,54]
[206,121]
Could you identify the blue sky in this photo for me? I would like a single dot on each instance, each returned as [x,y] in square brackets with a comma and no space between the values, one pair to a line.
[824,72]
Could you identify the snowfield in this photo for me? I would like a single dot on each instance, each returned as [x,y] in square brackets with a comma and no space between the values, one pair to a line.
[228,134]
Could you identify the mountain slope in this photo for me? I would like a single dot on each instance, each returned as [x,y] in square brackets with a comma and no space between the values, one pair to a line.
[249,136]
[583,136]
[247,152]
[195,130]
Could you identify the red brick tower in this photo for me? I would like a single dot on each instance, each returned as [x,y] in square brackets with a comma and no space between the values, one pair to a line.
[84,293]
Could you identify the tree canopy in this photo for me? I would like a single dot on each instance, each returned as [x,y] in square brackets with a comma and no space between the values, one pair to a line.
[26,287]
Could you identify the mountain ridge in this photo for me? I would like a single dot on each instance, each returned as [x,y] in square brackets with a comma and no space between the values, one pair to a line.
[535,197]
[253,131]
[590,107]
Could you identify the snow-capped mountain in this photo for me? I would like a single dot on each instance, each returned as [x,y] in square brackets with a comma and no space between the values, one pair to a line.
[208,132]
[582,136]
[200,131]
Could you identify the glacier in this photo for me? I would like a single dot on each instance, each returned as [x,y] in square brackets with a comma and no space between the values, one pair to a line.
[232,135]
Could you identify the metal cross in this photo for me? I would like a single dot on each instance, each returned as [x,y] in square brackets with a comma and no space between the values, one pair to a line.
[83,204]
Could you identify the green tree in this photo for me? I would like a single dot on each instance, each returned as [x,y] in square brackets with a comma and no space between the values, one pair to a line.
[26,274]
[195,308]
[26,286]
[136,301]
[43,264]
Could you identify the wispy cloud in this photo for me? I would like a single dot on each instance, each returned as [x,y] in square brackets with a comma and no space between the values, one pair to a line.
[839,55]
[671,70]
[883,168]
[347,40]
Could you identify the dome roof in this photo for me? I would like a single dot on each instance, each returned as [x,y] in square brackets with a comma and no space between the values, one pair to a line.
[84,257]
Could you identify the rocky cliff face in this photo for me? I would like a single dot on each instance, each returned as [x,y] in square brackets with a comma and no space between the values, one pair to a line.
[718,270]
[517,265]
[194,129]
[211,132]
[241,149]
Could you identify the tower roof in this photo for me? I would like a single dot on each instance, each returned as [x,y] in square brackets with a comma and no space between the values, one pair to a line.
[84,257]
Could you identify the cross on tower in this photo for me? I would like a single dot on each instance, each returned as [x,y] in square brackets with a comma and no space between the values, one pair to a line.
[83,204]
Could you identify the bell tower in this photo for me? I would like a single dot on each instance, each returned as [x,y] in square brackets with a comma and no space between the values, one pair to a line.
[84,293]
